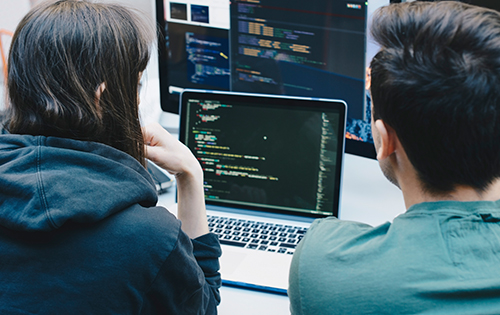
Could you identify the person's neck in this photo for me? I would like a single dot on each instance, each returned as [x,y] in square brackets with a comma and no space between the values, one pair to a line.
[413,193]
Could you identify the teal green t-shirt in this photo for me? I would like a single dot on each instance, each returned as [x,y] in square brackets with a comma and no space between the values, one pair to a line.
[437,258]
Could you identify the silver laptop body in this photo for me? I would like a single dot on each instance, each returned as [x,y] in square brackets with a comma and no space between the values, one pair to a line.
[272,164]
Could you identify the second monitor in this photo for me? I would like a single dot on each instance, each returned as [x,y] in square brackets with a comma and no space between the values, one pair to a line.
[312,49]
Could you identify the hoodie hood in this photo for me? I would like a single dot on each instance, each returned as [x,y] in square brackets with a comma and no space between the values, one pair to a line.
[47,181]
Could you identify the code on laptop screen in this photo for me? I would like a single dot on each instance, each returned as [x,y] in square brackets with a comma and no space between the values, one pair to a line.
[278,155]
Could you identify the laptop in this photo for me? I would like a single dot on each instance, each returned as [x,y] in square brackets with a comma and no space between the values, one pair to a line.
[272,164]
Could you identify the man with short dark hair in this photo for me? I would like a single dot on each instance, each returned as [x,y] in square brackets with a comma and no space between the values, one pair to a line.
[435,86]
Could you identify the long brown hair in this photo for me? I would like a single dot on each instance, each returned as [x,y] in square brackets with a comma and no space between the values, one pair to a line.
[62,52]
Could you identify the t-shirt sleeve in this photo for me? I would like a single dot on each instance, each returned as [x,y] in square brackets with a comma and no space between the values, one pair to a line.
[311,270]
[294,282]
[189,279]
[294,290]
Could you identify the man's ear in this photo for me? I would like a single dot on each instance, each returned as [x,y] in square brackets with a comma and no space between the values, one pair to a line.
[387,140]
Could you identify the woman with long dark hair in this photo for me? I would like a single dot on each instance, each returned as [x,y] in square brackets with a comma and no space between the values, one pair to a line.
[80,231]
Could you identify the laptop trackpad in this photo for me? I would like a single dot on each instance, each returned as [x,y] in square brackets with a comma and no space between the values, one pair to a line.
[231,261]
[258,268]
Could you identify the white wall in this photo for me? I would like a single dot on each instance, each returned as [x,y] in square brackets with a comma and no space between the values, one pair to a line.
[11,12]
[146,6]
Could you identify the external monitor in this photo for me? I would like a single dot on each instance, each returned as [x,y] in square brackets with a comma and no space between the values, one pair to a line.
[314,49]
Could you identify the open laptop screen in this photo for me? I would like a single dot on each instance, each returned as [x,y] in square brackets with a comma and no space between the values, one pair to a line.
[264,152]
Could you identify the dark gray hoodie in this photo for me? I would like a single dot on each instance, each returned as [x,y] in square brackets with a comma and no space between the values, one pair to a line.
[80,234]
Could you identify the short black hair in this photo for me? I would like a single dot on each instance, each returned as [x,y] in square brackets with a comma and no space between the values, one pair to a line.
[436,82]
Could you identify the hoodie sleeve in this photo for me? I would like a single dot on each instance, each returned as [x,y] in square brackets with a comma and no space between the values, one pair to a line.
[189,280]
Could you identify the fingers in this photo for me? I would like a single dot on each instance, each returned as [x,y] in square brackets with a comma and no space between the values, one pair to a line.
[153,133]
[168,152]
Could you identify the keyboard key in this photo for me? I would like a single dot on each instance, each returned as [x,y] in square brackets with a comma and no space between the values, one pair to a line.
[232,243]
[288,245]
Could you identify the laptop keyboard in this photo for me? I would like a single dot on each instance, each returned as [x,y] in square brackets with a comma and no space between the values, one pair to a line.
[256,235]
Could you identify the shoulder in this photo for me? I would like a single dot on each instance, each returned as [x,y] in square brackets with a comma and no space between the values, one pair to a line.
[148,230]
[325,232]
[330,259]
[150,220]
[333,243]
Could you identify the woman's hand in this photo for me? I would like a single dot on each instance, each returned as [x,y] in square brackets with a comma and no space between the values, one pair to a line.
[173,156]
[169,153]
